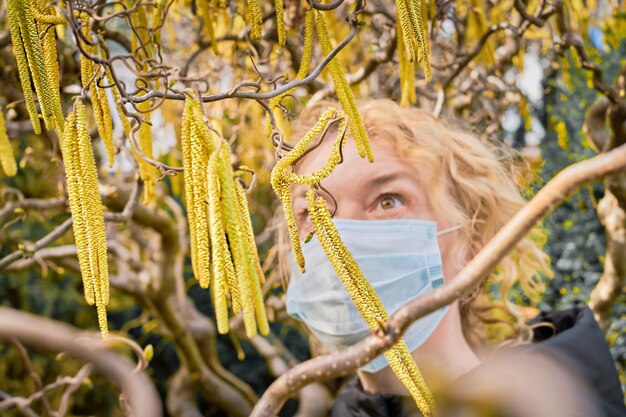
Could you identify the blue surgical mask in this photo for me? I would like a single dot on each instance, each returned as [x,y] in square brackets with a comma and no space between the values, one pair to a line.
[400,259]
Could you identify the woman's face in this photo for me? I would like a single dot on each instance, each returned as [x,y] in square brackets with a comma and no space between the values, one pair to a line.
[385,189]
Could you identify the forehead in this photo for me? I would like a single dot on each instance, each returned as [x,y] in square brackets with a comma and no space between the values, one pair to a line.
[355,171]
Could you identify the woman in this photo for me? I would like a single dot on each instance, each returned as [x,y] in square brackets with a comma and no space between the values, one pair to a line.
[430,177]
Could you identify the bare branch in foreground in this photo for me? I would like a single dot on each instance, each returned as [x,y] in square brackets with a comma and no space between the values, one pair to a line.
[52,336]
[348,360]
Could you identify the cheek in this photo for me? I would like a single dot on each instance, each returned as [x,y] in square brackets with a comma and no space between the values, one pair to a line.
[453,255]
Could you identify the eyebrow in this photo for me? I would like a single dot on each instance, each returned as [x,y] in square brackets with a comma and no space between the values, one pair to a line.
[386,178]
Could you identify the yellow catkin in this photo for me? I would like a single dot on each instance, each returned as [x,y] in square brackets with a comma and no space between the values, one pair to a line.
[256,19]
[158,20]
[307,46]
[185,139]
[411,25]
[303,70]
[206,12]
[47,15]
[366,301]
[220,255]
[284,193]
[236,241]
[143,49]
[106,129]
[426,38]
[86,65]
[344,93]
[404,27]
[200,152]
[280,22]
[248,230]
[327,168]
[69,149]
[19,52]
[282,187]
[92,207]
[49,48]
[148,173]
[407,73]
[86,209]
[7,159]
[98,111]
[34,54]
[255,273]
[172,159]
[60,29]
[414,8]
[90,74]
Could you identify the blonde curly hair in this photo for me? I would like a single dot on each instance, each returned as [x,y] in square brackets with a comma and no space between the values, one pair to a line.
[469,182]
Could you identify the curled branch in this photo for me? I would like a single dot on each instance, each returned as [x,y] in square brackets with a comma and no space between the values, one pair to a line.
[345,361]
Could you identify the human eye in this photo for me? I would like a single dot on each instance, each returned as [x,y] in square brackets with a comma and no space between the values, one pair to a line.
[389,201]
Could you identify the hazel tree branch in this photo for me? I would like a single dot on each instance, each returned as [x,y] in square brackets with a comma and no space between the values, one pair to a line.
[31,249]
[34,376]
[348,360]
[51,336]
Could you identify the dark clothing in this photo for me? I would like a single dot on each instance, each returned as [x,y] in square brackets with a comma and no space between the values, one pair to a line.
[578,344]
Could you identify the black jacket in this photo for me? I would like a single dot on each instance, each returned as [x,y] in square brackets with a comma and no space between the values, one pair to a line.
[578,343]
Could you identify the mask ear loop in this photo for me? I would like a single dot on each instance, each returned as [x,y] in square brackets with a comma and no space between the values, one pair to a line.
[449,229]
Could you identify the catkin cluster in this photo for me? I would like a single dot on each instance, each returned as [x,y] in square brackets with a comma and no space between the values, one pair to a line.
[86,208]
[356,284]
[34,48]
[7,159]
[411,28]
[223,250]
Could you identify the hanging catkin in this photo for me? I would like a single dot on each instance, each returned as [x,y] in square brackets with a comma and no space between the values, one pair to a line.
[207,13]
[282,178]
[280,22]
[256,19]
[365,298]
[344,93]
[91,75]
[50,109]
[411,25]
[303,71]
[86,209]
[407,72]
[148,173]
[223,250]
[46,17]
[17,45]
[7,159]
[196,146]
